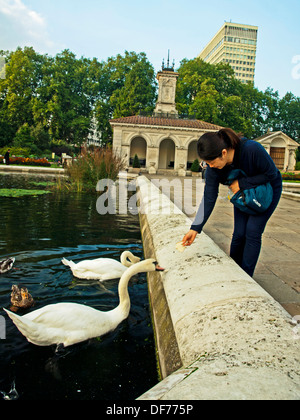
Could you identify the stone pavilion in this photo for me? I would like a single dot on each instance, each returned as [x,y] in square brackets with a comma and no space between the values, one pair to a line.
[162,142]
[166,144]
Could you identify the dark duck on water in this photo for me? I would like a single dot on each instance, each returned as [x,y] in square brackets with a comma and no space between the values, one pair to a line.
[6,265]
[21,298]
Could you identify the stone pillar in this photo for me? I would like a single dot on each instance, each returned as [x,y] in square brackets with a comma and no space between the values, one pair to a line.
[125,152]
[152,168]
[291,159]
[152,159]
[181,170]
[117,140]
[181,155]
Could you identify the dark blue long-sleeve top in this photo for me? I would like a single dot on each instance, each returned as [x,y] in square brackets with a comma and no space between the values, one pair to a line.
[254,160]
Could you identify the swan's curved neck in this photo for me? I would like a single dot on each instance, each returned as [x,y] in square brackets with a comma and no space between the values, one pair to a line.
[124,305]
[124,259]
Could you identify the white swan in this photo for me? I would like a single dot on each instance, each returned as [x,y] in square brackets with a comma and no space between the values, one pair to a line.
[6,265]
[70,323]
[101,268]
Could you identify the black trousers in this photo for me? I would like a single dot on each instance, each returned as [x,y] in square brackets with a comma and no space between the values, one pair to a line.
[246,239]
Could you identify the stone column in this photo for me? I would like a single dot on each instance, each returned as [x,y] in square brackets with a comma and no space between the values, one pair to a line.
[152,159]
[291,159]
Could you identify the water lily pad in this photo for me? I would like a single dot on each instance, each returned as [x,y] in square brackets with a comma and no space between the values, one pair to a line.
[15,193]
[43,183]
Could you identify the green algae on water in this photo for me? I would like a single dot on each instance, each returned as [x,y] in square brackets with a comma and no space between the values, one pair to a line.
[16,193]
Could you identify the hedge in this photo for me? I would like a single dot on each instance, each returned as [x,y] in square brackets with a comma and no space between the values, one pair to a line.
[26,161]
[290,176]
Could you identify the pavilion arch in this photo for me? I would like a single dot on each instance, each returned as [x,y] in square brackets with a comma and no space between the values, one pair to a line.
[138,146]
[278,142]
[167,154]
[163,137]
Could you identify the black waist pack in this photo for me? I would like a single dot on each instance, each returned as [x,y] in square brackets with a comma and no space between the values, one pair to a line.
[253,200]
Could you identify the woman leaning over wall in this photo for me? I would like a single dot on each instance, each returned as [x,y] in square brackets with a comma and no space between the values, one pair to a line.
[224,151]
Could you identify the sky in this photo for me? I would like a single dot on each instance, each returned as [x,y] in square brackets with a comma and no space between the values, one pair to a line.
[102,29]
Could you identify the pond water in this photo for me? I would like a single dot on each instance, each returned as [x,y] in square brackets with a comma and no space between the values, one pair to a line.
[38,232]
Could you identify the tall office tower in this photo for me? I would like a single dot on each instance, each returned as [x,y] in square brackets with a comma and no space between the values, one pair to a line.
[235,44]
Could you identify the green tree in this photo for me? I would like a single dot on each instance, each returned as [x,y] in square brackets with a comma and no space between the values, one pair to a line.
[136,162]
[212,93]
[195,166]
[51,100]
[7,131]
[270,111]
[138,91]
[196,75]
[103,113]
[129,88]
[67,96]
[205,103]
[289,111]
[23,137]
[251,109]
[68,106]
[23,76]
[40,136]
[18,90]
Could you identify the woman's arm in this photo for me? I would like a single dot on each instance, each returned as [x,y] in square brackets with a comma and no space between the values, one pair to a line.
[208,201]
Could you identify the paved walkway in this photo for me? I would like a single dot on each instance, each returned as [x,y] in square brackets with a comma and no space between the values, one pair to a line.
[31,169]
[278,268]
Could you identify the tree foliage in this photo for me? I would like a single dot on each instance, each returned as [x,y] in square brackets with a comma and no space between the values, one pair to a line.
[51,101]
[212,93]
[129,87]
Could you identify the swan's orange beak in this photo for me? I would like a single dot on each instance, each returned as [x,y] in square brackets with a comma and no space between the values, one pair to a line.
[158,268]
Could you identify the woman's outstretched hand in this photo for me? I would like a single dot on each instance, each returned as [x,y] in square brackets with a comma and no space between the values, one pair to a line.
[189,238]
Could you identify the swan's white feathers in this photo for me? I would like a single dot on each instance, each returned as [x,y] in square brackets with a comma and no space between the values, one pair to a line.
[100,268]
[68,263]
[34,333]
[70,323]
[51,324]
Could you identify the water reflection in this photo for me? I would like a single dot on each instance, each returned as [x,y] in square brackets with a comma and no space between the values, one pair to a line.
[38,232]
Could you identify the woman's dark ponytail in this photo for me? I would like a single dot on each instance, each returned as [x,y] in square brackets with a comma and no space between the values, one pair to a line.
[210,145]
[230,137]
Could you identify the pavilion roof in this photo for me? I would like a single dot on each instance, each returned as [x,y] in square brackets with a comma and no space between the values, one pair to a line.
[165,122]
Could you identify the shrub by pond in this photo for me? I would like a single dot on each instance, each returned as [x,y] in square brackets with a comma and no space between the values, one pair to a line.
[92,165]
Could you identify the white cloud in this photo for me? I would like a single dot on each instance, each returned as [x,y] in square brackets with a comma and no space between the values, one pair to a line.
[32,25]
